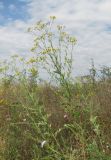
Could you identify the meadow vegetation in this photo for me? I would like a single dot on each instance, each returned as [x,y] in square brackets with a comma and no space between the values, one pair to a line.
[59,119]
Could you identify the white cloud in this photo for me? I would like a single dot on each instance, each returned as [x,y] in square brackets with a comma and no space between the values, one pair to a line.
[105,7]
[14,40]
[89,21]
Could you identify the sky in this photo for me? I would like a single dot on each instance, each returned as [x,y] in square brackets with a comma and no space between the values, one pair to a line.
[88,20]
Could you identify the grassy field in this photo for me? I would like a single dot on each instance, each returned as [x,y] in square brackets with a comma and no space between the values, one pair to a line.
[62,119]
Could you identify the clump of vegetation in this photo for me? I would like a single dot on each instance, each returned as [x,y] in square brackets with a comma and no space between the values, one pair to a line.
[60,119]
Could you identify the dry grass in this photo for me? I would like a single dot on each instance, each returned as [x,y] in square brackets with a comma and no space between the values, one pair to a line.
[85,102]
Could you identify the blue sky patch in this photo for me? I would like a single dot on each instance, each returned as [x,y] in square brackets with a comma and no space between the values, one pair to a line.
[11,10]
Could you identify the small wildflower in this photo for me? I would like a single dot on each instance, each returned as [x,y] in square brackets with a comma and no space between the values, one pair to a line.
[65,116]
[17,73]
[32,60]
[103,151]
[107,146]
[72,40]
[43,143]
[52,17]
[59,27]
[33,71]
[50,34]
[8,119]
[24,119]
[21,59]
[93,119]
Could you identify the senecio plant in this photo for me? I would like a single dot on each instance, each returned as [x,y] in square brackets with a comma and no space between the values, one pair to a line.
[53,49]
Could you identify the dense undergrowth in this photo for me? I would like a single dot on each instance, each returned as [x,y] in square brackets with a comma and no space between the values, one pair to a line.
[63,120]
